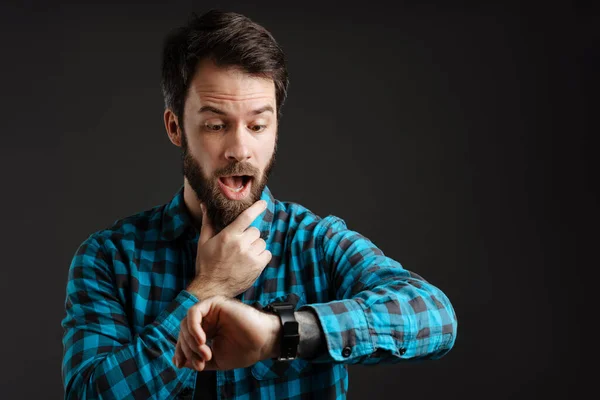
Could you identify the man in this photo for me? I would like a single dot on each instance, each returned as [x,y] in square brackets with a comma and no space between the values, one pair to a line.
[225,292]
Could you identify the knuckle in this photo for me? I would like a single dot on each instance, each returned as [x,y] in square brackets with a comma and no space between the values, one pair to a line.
[193,311]
[254,231]
[225,237]
[239,246]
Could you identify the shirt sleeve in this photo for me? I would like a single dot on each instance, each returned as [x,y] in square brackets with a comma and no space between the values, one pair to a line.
[102,357]
[382,313]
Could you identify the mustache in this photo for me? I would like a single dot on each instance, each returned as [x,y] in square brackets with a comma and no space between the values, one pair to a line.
[238,168]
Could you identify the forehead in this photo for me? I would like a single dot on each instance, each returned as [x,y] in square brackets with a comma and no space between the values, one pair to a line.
[229,88]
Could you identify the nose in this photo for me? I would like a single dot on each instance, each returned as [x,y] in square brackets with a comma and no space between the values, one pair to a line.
[237,145]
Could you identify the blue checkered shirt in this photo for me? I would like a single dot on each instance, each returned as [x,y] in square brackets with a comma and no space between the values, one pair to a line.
[126,296]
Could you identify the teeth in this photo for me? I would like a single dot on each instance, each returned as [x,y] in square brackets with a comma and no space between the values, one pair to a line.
[236,190]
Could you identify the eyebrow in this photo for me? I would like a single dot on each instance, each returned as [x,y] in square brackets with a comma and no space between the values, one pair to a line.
[215,110]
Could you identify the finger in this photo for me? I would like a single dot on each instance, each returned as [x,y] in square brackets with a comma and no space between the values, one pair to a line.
[179,356]
[194,323]
[265,257]
[188,364]
[199,365]
[250,235]
[207,231]
[259,246]
[190,341]
[189,354]
[197,361]
[243,221]
[205,352]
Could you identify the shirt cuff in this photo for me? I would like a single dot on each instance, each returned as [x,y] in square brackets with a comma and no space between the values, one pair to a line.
[346,331]
[171,317]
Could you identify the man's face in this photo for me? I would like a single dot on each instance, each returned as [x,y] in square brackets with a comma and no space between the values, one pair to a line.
[229,137]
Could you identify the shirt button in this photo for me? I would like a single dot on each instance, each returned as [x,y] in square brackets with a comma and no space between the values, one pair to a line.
[347,351]
[402,351]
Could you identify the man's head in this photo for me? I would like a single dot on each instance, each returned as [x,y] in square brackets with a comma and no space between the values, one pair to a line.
[224,81]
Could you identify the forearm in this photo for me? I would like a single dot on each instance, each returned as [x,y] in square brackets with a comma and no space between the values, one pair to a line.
[117,366]
[383,312]
[389,323]
[399,320]
[103,377]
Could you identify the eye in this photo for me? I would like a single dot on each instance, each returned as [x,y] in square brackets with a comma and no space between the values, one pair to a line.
[258,128]
[214,127]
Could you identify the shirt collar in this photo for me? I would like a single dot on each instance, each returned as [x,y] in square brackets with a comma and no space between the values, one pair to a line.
[177,222]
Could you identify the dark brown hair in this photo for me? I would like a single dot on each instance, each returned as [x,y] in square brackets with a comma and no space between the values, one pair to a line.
[229,39]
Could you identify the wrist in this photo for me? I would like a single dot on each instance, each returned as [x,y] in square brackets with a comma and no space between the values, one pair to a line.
[272,348]
[203,291]
[275,345]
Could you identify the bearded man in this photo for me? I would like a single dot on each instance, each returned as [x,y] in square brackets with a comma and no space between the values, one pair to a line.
[225,291]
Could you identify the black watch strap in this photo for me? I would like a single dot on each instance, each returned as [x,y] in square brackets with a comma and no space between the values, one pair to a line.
[289,329]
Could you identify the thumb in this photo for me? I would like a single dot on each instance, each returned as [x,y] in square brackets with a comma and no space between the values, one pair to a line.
[207,231]
[207,314]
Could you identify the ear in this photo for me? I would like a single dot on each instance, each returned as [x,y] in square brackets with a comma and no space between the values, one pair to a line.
[172,127]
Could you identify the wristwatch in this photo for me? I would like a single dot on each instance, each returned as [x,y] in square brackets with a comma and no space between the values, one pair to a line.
[289,329]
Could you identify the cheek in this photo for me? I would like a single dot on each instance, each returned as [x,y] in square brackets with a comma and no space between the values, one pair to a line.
[267,151]
[205,154]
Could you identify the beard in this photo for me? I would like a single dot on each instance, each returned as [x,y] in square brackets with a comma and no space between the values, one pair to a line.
[221,210]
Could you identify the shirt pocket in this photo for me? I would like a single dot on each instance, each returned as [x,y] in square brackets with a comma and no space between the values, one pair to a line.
[273,369]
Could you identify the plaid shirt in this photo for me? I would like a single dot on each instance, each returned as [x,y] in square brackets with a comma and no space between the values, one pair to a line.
[126,297]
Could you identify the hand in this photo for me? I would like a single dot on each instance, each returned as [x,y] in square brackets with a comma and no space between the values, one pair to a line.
[241,335]
[229,262]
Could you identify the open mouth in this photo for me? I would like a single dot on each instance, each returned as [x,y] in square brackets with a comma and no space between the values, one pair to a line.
[236,187]
[235,183]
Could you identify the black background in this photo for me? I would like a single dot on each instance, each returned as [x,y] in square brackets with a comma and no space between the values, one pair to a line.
[458,138]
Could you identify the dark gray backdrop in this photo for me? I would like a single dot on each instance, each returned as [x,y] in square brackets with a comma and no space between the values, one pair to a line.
[457,139]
